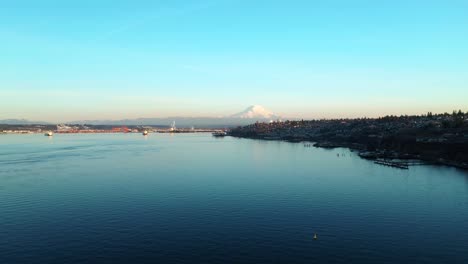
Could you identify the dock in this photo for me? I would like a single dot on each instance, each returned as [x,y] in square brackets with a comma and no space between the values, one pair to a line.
[395,164]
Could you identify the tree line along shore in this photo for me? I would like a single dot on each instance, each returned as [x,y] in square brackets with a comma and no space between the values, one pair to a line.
[433,138]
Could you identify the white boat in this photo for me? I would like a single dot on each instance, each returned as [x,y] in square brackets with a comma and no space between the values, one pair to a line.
[49,134]
[145,133]
[219,134]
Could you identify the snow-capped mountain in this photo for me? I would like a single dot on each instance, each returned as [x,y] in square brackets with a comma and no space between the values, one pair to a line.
[255,111]
[249,116]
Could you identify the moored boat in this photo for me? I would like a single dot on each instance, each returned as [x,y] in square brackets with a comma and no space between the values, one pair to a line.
[219,134]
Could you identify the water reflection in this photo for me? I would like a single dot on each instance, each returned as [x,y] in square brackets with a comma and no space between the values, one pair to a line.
[194,198]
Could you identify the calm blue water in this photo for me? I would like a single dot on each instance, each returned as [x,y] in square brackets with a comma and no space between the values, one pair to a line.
[192,198]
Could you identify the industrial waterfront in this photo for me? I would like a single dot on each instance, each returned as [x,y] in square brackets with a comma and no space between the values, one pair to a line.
[99,129]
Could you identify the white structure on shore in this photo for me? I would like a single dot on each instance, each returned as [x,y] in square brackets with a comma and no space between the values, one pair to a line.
[63,128]
[173,127]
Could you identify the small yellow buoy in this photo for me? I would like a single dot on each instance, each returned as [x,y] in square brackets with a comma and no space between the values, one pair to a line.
[315,236]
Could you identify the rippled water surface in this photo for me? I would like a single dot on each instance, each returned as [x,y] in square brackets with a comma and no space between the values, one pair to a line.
[192,198]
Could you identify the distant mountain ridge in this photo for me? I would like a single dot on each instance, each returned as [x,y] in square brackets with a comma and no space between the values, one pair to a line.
[250,115]
[22,122]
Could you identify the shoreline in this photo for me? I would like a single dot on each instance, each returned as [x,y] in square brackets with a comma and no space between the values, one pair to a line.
[378,155]
[112,132]
[380,149]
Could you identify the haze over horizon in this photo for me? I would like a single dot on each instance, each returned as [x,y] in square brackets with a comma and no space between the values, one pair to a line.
[91,60]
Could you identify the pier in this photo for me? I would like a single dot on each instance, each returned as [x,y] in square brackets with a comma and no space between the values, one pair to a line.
[395,164]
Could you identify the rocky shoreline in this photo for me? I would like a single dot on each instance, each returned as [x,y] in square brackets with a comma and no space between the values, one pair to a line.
[438,140]
[377,155]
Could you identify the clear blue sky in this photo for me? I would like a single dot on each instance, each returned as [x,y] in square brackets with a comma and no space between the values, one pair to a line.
[67,60]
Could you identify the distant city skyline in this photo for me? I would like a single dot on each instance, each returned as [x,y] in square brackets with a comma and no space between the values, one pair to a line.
[88,60]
